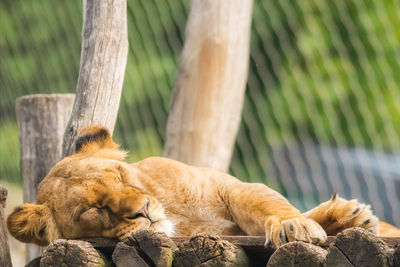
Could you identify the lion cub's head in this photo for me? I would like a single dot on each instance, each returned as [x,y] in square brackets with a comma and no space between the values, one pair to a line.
[91,193]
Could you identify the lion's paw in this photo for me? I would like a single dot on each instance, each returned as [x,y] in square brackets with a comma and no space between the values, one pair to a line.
[345,214]
[279,232]
[338,214]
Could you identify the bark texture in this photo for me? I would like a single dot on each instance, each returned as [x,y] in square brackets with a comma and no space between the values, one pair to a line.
[42,120]
[102,68]
[5,258]
[209,89]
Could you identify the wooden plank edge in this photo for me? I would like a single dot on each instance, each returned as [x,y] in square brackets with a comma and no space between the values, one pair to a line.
[242,241]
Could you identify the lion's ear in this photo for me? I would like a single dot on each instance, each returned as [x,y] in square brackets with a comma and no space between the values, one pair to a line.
[97,141]
[93,138]
[32,223]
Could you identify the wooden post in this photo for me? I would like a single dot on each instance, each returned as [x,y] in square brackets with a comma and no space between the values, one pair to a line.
[209,89]
[5,258]
[41,120]
[102,68]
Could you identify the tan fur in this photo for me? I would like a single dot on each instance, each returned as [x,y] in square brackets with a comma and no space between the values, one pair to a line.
[95,193]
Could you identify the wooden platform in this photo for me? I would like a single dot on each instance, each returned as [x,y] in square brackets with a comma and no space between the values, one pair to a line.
[352,247]
[252,245]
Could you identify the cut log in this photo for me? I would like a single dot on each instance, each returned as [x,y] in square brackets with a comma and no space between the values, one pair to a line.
[126,256]
[155,247]
[5,258]
[209,89]
[205,250]
[64,252]
[42,120]
[102,68]
[298,254]
[358,247]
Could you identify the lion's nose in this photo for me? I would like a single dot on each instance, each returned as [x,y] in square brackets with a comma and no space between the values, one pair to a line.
[145,211]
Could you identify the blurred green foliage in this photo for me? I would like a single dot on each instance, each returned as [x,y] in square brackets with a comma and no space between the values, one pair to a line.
[9,152]
[322,72]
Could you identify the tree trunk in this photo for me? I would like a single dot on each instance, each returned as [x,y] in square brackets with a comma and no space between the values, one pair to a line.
[5,258]
[42,120]
[209,89]
[102,68]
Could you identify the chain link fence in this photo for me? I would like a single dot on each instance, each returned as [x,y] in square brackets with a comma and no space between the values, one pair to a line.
[321,113]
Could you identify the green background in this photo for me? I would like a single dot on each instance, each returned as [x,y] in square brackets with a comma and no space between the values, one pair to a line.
[321,72]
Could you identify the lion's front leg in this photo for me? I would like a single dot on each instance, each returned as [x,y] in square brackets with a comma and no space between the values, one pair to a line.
[337,214]
[259,210]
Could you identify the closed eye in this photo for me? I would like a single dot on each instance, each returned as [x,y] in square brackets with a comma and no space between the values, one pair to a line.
[136,216]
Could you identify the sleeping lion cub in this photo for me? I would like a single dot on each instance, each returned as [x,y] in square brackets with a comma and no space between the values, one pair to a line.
[95,193]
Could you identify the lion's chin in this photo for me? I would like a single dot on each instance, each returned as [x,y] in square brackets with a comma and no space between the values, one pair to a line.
[165,226]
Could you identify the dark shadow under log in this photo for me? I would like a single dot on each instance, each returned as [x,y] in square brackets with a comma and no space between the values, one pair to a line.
[34,263]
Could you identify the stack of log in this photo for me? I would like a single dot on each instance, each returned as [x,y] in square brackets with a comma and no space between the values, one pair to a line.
[352,247]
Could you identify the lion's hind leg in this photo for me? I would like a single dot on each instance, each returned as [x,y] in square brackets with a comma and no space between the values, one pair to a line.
[337,214]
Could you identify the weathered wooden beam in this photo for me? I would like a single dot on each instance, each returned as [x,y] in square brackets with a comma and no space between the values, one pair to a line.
[5,258]
[41,121]
[209,89]
[102,68]
[243,241]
